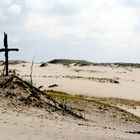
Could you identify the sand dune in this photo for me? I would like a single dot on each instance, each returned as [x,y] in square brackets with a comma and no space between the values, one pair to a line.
[127,88]
[26,117]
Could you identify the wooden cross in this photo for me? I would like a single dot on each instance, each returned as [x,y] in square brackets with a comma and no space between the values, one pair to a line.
[6,50]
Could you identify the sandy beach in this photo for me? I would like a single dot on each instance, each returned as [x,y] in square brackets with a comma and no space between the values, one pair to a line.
[16,126]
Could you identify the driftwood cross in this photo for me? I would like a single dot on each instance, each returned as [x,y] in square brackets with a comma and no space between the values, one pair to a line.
[6,50]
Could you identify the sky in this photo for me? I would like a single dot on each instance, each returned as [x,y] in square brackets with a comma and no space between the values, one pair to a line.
[93,30]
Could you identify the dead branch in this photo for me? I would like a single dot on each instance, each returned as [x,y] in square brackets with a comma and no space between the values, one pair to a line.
[31,72]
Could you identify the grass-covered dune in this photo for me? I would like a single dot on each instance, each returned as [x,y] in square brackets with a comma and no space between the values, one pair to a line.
[96,108]
[87,63]
[68,62]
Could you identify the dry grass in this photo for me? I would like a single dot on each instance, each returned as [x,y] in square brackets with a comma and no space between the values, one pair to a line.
[94,105]
[118,101]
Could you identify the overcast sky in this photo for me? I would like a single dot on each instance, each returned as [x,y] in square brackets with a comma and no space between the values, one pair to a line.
[95,30]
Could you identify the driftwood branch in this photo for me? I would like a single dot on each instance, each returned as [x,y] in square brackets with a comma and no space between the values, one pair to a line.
[31,72]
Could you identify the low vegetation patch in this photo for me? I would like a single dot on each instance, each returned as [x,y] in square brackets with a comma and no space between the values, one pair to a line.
[13,62]
[88,105]
[119,101]
[101,80]
[43,64]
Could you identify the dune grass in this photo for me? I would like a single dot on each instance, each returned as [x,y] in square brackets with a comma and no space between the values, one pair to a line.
[86,104]
[119,101]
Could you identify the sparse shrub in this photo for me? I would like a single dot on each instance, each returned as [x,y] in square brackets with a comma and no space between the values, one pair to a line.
[43,65]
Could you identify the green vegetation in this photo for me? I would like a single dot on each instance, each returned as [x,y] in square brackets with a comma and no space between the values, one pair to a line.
[119,101]
[89,105]
[106,101]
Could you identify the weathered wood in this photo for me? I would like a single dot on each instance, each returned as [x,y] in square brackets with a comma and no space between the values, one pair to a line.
[6,50]
[3,50]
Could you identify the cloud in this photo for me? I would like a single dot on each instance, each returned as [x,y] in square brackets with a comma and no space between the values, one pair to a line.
[91,24]
[100,27]
[103,19]
[36,5]
[15,9]
[6,2]
[2,16]
[132,3]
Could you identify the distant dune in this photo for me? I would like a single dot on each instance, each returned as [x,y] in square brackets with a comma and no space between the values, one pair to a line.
[13,62]
[87,63]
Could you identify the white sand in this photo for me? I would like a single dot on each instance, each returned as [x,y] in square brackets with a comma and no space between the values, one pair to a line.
[21,126]
[128,88]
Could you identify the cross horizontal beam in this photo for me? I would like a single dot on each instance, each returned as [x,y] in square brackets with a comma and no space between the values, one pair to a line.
[7,50]
[4,50]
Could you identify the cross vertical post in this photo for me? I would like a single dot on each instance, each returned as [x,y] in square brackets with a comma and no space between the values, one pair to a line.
[6,53]
[6,50]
